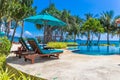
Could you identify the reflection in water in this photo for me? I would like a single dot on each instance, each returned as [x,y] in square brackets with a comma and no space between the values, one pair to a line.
[119,49]
[108,49]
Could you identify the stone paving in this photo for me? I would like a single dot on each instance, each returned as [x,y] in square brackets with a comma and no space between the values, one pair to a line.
[70,66]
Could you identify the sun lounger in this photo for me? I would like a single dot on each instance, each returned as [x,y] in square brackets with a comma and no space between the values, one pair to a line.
[24,49]
[40,52]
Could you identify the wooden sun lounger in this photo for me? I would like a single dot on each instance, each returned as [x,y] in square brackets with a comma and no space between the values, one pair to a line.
[38,51]
[23,50]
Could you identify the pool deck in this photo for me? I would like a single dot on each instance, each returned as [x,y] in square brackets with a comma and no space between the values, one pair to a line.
[70,66]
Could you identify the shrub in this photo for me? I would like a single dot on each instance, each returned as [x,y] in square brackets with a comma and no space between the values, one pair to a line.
[106,45]
[5,45]
[71,43]
[58,45]
[2,61]
[6,75]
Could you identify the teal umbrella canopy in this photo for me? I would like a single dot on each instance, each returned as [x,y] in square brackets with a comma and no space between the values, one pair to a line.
[2,33]
[45,19]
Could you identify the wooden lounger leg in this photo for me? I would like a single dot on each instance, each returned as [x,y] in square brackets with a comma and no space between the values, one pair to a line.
[32,61]
[25,59]
[57,55]
[31,57]
[19,56]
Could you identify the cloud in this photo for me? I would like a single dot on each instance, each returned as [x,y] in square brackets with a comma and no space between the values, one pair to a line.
[16,34]
[27,34]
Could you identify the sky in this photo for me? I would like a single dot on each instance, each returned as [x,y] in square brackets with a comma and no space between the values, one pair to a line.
[76,7]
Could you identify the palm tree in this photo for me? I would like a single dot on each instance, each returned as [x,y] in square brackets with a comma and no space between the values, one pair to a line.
[88,16]
[48,31]
[3,10]
[92,25]
[65,17]
[75,23]
[108,21]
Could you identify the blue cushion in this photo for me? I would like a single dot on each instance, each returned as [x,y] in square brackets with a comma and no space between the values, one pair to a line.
[36,41]
[25,44]
[51,51]
[45,51]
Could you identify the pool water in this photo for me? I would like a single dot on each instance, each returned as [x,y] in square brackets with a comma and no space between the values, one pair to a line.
[96,50]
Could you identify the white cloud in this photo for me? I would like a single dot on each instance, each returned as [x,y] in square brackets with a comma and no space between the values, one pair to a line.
[16,34]
[27,34]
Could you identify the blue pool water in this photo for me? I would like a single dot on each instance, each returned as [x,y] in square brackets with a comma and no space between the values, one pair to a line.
[96,50]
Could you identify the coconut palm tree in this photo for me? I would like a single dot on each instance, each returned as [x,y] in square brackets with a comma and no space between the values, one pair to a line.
[92,25]
[75,23]
[3,10]
[108,21]
[65,17]
[49,30]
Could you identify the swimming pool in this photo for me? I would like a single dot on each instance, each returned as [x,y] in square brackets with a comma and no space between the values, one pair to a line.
[96,50]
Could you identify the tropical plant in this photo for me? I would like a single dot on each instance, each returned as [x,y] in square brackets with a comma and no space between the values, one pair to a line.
[18,10]
[91,25]
[74,29]
[5,45]
[71,43]
[6,75]
[48,31]
[58,45]
[2,61]
[64,17]
[108,20]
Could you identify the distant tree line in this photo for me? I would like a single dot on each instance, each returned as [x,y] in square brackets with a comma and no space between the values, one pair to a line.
[92,25]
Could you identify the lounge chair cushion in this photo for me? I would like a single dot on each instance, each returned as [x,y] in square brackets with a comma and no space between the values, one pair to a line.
[40,47]
[27,46]
[51,51]
[44,51]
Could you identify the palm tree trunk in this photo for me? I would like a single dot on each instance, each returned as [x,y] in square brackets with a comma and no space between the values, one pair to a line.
[22,29]
[61,37]
[0,27]
[99,35]
[108,38]
[49,34]
[6,27]
[74,38]
[91,39]
[14,31]
[88,39]
[8,30]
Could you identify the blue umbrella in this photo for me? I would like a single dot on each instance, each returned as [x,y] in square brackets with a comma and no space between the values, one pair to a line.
[45,19]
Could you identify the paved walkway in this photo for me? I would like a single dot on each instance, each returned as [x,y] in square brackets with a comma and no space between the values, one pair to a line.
[71,66]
